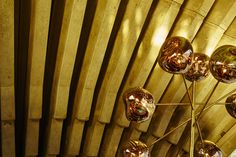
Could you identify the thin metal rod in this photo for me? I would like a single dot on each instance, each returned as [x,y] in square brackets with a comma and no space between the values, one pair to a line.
[193,105]
[186,87]
[192,135]
[185,122]
[207,100]
[168,133]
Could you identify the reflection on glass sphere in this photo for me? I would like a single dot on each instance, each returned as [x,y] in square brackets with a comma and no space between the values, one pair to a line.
[231,105]
[139,104]
[174,56]
[223,64]
[135,148]
[199,69]
[207,149]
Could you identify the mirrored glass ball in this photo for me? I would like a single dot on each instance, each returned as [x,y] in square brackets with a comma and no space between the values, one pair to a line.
[174,56]
[231,105]
[139,104]
[199,69]
[135,148]
[223,64]
[207,149]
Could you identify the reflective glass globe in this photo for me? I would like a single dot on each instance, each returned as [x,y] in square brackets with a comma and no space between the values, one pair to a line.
[231,105]
[139,104]
[135,148]
[223,64]
[174,56]
[199,69]
[207,149]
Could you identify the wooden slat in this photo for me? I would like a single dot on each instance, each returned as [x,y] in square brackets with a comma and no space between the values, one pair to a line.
[32,137]
[74,137]
[7,93]
[7,59]
[39,26]
[67,49]
[111,140]
[98,40]
[8,139]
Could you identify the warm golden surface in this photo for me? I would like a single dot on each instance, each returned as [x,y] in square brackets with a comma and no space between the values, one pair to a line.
[69,62]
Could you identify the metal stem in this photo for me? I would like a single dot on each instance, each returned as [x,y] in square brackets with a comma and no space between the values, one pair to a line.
[193,104]
[192,121]
[185,122]
[207,100]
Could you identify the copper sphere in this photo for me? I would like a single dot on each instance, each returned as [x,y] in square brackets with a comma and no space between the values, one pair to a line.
[135,148]
[207,149]
[223,64]
[174,56]
[199,69]
[231,105]
[139,104]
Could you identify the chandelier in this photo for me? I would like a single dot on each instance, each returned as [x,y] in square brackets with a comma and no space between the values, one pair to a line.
[176,57]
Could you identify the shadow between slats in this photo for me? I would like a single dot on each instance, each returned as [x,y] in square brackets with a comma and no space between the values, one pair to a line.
[53,39]
[22,20]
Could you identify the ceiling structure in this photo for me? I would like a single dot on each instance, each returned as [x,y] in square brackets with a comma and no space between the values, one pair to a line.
[65,65]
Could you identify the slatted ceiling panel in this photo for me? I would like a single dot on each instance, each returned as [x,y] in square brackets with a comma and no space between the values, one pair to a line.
[117,56]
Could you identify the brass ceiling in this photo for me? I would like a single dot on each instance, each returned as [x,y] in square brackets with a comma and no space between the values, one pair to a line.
[65,64]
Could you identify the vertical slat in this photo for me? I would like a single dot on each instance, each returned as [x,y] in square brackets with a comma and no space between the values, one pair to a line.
[103,22]
[7,78]
[67,49]
[39,26]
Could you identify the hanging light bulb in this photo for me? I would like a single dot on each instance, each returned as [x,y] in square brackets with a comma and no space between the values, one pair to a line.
[223,64]
[174,56]
[139,104]
[207,149]
[135,148]
[231,105]
[199,69]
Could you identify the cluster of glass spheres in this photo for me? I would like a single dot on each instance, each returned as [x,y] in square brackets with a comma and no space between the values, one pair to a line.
[176,56]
